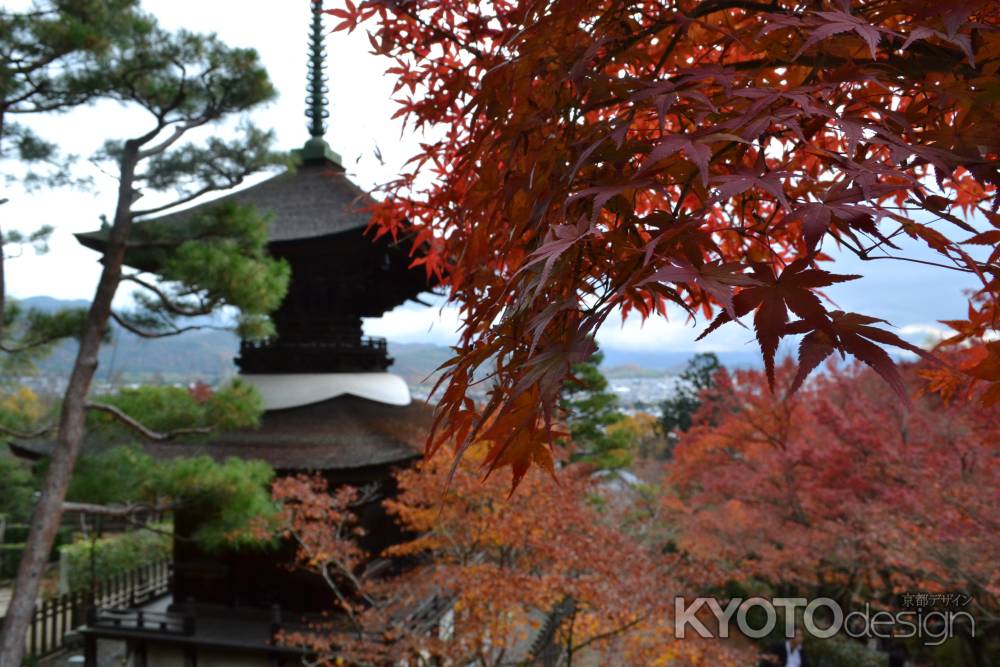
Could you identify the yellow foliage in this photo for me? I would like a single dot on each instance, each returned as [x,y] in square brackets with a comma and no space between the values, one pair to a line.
[23,404]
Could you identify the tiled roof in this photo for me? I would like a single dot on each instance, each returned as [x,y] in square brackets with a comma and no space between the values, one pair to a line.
[316,199]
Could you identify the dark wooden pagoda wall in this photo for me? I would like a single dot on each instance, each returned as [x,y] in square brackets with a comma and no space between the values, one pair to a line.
[335,282]
[347,276]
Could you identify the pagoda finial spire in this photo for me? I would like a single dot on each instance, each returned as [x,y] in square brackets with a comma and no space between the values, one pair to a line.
[317,88]
[316,102]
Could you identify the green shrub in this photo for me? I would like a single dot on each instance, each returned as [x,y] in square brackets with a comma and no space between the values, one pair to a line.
[18,532]
[18,489]
[228,496]
[115,475]
[163,408]
[10,556]
[114,554]
[10,550]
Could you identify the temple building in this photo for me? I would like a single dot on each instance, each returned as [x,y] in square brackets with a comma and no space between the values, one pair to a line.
[331,407]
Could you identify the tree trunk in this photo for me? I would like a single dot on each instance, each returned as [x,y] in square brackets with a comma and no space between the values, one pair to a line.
[3,283]
[3,288]
[47,513]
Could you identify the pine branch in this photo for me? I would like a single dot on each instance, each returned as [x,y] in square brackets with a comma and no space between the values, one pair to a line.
[168,304]
[27,435]
[144,430]
[176,331]
[125,510]
[41,342]
[179,132]
[119,415]
[233,182]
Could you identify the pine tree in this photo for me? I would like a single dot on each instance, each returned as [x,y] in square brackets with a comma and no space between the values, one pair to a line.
[590,409]
[182,82]
[48,63]
[677,412]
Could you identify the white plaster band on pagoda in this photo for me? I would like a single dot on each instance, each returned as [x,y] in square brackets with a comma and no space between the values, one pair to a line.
[292,390]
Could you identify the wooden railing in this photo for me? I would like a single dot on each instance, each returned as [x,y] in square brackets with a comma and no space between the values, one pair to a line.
[139,620]
[133,587]
[55,618]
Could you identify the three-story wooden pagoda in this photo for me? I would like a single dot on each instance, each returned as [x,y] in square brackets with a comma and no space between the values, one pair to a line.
[331,406]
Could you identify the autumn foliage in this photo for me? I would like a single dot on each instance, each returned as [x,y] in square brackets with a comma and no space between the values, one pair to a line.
[487,581]
[587,159]
[841,489]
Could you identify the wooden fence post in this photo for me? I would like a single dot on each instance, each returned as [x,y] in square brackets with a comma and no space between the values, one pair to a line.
[56,617]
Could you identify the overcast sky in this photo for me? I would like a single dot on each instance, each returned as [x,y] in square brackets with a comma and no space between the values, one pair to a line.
[911,296]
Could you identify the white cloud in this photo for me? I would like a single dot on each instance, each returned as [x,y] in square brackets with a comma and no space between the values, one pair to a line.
[674,334]
[411,323]
[440,324]
[922,332]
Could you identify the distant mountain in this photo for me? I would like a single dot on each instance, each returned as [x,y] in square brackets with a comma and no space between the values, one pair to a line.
[633,371]
[417,362]
[205,355]
[47,304]
[208,355]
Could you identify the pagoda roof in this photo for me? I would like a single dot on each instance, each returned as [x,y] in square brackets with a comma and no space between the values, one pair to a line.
[314,200]
[341,433]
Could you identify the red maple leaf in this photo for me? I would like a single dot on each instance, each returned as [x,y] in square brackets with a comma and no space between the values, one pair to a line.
[795,290]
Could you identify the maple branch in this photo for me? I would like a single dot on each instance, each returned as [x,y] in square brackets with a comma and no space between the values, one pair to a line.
[893,64]
[864,256]
[712,6]
[324,572]
[440,32]
[702,10]
[612,633]
[668,49]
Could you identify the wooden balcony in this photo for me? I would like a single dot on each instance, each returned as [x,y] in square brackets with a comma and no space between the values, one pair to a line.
[330,354]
